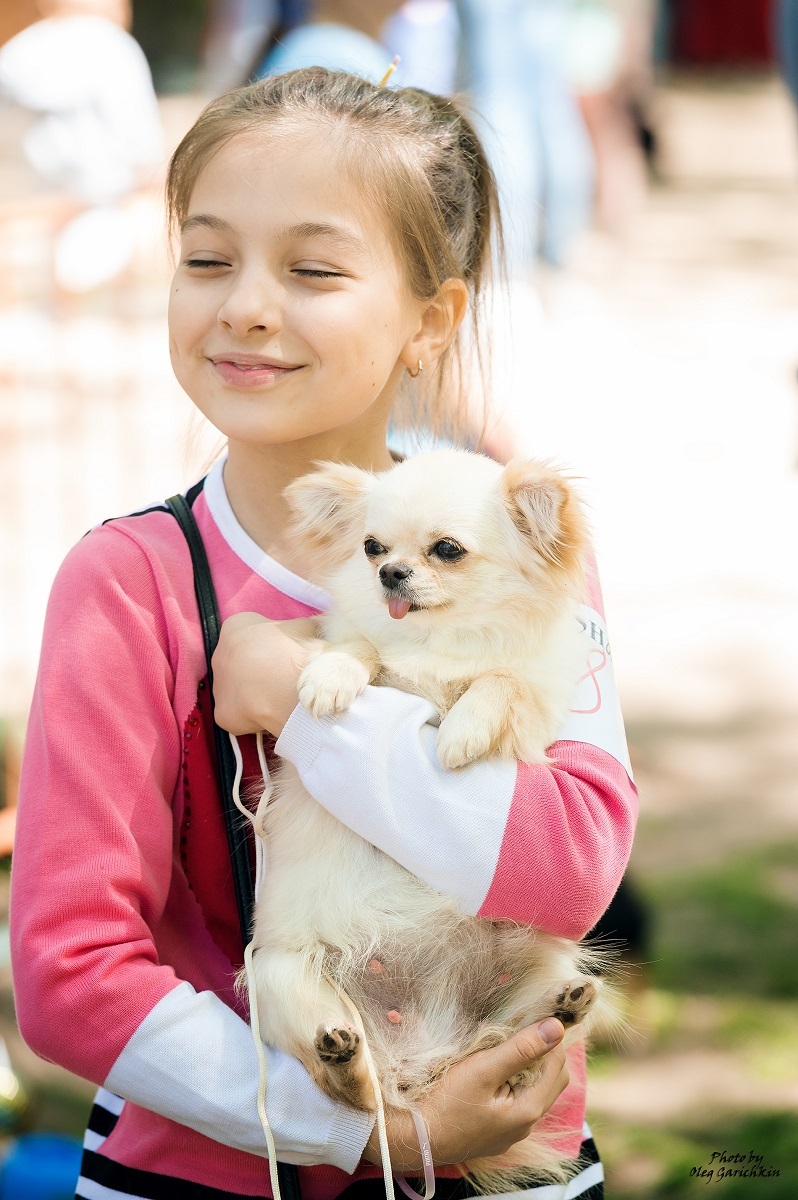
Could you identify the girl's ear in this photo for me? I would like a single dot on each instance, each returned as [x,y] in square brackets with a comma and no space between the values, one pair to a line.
[439,322]
[329,509]
[546,510]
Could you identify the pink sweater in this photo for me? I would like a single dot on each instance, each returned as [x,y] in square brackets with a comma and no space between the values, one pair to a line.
[124,934]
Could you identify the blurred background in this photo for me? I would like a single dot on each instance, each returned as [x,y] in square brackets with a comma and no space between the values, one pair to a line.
[647,340]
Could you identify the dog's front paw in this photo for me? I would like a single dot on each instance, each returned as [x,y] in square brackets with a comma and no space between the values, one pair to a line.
[461,740]
[330,683]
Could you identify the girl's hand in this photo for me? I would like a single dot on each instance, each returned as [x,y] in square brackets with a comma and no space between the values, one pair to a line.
[473,1111]
[256,666]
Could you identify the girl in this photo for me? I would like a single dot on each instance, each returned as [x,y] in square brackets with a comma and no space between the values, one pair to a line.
[333,235]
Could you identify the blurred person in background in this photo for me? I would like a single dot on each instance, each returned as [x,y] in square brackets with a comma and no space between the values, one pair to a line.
[344,35]
[786,37]
[426,36]
[96,133]
[514,66]
[231,29]
[609,64]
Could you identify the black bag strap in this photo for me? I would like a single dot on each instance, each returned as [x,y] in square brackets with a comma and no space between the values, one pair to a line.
[238,844]
[180,508]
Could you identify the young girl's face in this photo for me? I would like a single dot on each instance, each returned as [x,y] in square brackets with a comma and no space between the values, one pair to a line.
[289,315]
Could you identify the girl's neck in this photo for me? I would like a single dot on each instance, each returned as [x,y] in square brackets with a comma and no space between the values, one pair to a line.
[255,477]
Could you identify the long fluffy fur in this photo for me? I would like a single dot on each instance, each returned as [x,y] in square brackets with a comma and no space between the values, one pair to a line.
[493,643]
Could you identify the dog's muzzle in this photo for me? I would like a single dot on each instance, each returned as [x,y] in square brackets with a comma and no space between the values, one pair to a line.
[393,575]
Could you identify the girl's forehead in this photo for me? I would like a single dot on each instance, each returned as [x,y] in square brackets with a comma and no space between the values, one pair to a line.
[302,172]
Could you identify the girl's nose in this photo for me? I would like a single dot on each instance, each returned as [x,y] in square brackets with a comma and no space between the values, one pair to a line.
[250,306]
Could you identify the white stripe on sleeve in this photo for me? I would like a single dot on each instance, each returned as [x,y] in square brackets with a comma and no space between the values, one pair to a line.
[192,1060]
[105,1099]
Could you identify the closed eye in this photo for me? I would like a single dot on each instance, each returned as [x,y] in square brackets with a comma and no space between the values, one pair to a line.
[205,262]
[318,274]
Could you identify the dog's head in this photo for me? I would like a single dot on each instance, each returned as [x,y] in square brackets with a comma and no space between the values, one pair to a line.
[446,531]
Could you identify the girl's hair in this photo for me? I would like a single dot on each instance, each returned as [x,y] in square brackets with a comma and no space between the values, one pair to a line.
[418,159]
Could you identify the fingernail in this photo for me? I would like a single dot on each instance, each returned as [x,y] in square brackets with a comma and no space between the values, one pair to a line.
[551,1031]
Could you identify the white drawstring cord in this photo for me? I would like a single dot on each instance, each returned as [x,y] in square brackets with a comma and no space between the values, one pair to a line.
[418,1120]
[260,866]
[248,952]
[385,1154]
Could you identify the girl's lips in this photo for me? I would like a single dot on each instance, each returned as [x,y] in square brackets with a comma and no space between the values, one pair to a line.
[250,375]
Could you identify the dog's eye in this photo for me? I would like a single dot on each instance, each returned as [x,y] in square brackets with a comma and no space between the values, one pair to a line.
[373,548]
[448,550]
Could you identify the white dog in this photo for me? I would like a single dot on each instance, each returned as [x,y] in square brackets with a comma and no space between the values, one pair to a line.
[457,580]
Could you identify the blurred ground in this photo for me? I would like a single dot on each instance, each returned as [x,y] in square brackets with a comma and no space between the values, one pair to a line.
[664,372]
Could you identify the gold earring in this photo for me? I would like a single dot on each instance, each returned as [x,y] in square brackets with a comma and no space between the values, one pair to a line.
[415,374]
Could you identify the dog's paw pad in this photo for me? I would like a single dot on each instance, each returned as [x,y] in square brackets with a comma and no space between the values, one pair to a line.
[572,1001]
[337,1044]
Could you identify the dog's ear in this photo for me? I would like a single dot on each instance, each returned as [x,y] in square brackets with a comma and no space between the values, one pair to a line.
[329,509]
[546,510]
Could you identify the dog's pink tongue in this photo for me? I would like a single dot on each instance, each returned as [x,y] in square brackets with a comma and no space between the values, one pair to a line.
[398,608]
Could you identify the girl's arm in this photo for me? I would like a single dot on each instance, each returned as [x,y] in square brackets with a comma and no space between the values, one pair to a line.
[93,878]
[543,845]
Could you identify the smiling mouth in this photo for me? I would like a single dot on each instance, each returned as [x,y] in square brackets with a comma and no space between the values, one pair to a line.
[241,373]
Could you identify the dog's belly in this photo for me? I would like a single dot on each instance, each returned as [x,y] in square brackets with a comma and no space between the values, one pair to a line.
[430,982]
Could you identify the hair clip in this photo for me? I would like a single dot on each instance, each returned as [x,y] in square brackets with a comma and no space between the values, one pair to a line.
[390,71]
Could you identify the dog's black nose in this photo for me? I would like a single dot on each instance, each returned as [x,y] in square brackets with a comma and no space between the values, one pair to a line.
[392,574]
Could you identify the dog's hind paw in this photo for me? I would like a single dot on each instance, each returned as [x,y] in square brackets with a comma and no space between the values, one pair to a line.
[331,682]
[337,1045]
[570,1002]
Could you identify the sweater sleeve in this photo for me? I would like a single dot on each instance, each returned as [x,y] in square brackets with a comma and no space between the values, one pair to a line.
[91,877]
[544,845]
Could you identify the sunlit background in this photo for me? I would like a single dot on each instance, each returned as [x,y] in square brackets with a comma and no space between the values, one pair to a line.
[655,355]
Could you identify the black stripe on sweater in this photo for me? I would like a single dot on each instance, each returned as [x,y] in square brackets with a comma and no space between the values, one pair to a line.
[130,1181]
[101,1120]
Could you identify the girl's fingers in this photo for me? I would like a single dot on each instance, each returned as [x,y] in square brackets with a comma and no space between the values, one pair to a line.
[519,1053]
[525,1105]
[255,668]
[554,1078]
[300,627]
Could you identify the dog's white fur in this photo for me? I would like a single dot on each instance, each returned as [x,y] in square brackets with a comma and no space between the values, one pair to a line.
[493,642]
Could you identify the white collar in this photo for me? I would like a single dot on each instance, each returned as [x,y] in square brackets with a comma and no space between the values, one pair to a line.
[249,552]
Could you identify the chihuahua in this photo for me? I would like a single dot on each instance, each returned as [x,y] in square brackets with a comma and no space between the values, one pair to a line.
[458,580]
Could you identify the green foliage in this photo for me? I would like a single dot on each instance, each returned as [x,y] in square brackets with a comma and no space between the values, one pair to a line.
[729,928]
[724,975]
[655,1163]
